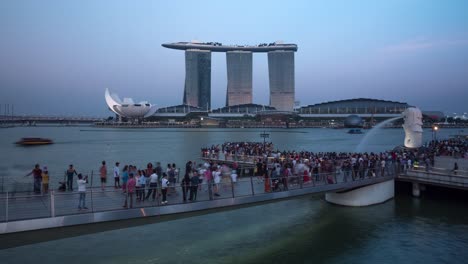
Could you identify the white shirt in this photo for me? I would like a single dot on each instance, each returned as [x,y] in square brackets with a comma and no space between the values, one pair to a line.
[154,178]
[81,185]
[142,180]
[116,172]
[137,181]
[164,183]
[217,176]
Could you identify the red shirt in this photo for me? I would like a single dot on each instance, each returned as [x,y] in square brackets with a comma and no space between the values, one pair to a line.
[131,185]
[103,171]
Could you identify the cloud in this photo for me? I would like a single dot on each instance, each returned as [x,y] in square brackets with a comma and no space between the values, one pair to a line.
[422,44]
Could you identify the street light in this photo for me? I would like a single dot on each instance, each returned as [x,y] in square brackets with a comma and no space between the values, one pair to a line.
[434,132]
[264,136]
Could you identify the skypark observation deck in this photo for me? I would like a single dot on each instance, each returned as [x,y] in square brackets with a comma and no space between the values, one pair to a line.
[219,47]
[197,89]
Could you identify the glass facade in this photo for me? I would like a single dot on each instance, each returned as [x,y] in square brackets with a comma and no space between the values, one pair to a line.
[239,77]
[197,90]
[281,75]
[356,106]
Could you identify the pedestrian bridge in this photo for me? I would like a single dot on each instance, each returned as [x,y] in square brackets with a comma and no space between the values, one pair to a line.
[22,211]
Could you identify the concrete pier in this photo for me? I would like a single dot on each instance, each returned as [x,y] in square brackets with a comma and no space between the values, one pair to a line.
[364,196]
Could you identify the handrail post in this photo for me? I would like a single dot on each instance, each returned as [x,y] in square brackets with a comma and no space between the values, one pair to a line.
[312,176]
[251,185]
[232,186]
[6,207]
[92,174]
[52,204]
[92,201]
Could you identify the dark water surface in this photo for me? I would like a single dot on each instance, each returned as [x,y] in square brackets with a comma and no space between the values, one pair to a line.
[303,230]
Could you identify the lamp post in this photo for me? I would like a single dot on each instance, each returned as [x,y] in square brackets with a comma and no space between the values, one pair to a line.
[434,132]
[264,136]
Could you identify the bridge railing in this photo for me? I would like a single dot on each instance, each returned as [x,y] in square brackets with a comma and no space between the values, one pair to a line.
[25,205]
[436,176]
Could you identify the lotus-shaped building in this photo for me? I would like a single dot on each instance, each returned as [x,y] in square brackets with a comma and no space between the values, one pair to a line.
[127,108]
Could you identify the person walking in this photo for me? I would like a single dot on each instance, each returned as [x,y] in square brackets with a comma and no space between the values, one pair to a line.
[164,186]
[138,185]
[37,175]
[103,174]
[45,180]
[194,181]
[217,180]
[116,176]
[82,191]
[142,181]
[124,178]
[153,184]
[70,172]
[455,168]
[185,184]
[131,183]
[266,179]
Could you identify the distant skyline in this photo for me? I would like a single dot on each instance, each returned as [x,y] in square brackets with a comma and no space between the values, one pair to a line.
[57,57]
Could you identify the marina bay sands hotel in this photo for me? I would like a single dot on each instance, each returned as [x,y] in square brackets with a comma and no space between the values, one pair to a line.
[197,90]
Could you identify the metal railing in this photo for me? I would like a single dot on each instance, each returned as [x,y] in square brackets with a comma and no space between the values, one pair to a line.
[23,205]
[436,176]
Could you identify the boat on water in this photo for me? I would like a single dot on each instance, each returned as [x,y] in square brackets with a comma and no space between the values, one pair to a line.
[34,141]
[355,131]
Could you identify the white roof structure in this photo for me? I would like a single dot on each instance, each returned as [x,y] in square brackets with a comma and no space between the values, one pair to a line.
[127,108]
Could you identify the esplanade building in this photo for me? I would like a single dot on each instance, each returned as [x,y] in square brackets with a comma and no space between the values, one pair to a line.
[197,91]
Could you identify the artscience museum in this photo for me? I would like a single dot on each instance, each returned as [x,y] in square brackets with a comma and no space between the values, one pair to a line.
[127,108]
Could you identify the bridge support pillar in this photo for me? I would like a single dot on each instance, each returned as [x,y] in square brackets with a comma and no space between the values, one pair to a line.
[364,196]
[416,189]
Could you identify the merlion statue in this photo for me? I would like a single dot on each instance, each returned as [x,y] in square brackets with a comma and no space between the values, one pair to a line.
[413,127]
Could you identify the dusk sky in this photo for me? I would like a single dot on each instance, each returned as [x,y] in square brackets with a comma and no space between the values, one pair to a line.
[57,57]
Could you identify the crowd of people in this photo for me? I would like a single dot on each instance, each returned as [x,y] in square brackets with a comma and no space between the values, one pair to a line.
[276,169]
[455,147]
[231,150]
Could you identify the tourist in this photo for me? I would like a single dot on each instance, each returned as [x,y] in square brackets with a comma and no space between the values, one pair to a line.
[170,171]
[37,175]
[208,175]
[185,184]
[103,174]
[266,179]
[138,185]
[45,180]
[143,182]
[70,172]
[217,180]
[176,172]
[82,191]
[286,177]
[234,176]
[159,171]
[194,182]
[306,175]
[188,167]
[164,186]
[149,169]
[275,177]
[116,176]
[346,167]
[130,184]
[124,178]
[455,168]
[153,184]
